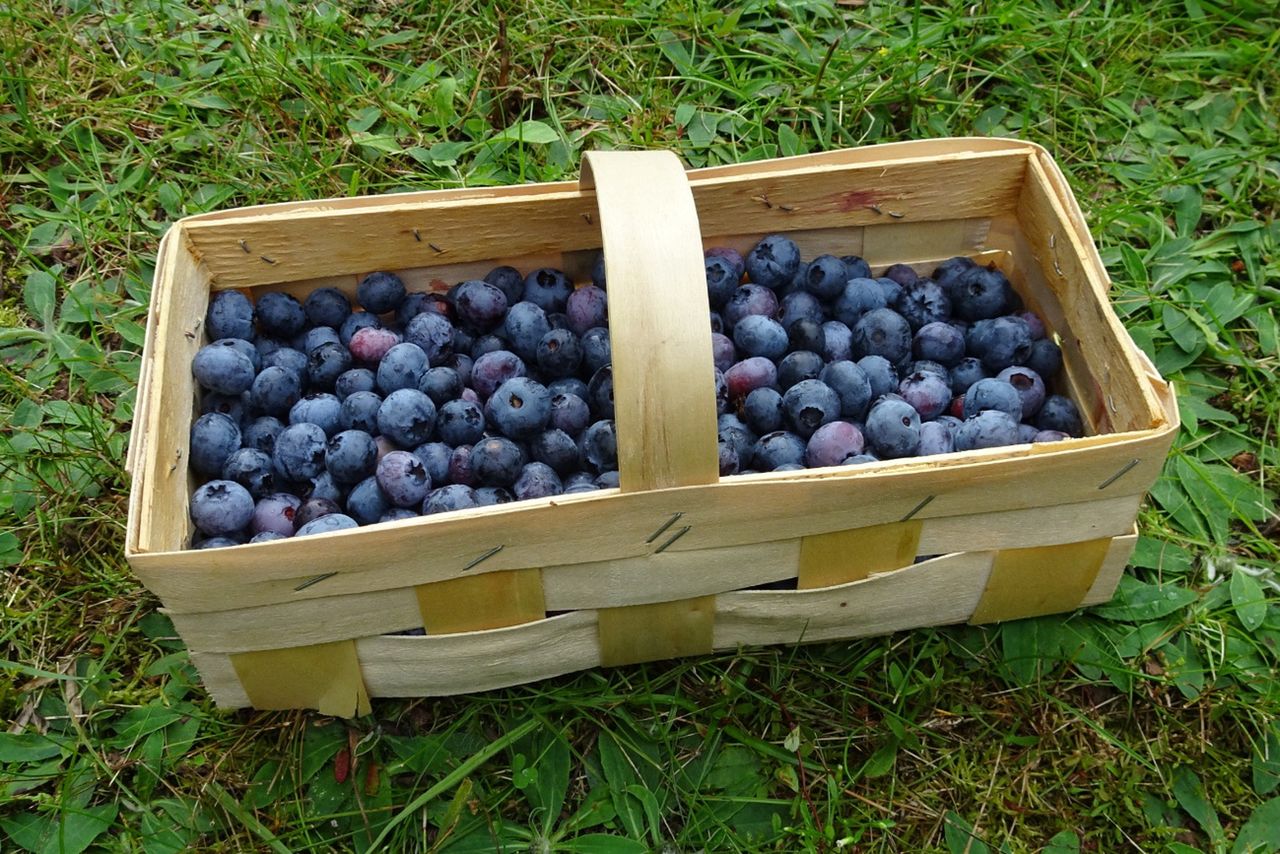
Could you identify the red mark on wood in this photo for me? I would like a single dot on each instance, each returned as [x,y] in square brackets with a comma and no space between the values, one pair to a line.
[856,199]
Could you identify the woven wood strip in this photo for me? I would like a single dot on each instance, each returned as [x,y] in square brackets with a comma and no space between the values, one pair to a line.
[1037,581]
[844,556]
[325,677]
[635,633]
[490,600]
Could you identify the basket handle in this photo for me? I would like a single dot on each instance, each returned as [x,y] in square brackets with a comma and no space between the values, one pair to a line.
[659,332]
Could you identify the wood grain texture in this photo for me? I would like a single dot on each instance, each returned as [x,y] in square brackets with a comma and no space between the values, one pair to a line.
[1033,582]
[664,396]
[1113,566]
[325,677]
[933,593]
[490,600]
[827,560]
[637,633]
[1032,526]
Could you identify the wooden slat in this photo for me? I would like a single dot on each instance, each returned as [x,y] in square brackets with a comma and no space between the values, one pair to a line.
[490,600]
[933,593]
[286,247]
[325,677]
[1032,526]
[843,556]
[895,241]
[169,401]
[738,511]
[1113,566]
[1037,581]
[637,633]
[664,390]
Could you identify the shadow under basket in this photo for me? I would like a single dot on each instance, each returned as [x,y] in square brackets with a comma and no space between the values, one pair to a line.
[664,566]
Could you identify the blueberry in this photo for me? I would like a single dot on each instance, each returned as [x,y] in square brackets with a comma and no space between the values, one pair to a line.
[748,375]
[608,480]
[893,428]
[326,307]
[351,456]
[882,332]
[722,280]
[990,428]
[773,262]
[1045,358]
[460,466]
[479,304]
[223,368]
[356,321]
[992,393]
[929,394]
[760,336]
[924,366]
[776,449]
[313,508]
[360,412]
[880,374]
[351,381]
[367,501]
[923,303]
[858,268]
[850,383]
[723,353]
[579,479]
[326,363]
[1027,434]
[739,437]
[461,364]
[569,412]
[861,459]
[407,417]
[460,422]
[487,344]
[808,405]
[324,486]
[717,322]
[797,366]
[327,524]
[230,315]
[290,359]
[420,303]
[275,514]
[548,288]
[598,447]
[1034,324]
[890,290]
[762,410]
[370,345]
[520,408]
[235,407]
[949,272]
[833,443]
[537,480]
[600,393]
[441,384]
[858,297]
[729,461]
[749,300]
[380,292]
[555,448]
[398,514]
[902,274]
[981,293]
[280,315]
[1030,388]
[447,498]
[825,277]
[299,454]
[733,256]
[214,438]
[266,537]
[221,507]
[935,438]
[940,342]
[524,327]
[434,334]
[401,368]
[252,469]
[559,353]
[837,341]
[261,433]
[800,305]
[488,496]
[598,271]
[966,372]
[1000,342]
[1049,436]
[496,461]
[596,349]
[801,335]
[587,308]
[435,457]
[218,543]
[403,479]
[1060,414]
[317,335]
[569,385]
[323,410]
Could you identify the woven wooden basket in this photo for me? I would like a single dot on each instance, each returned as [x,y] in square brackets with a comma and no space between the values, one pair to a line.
[663,566]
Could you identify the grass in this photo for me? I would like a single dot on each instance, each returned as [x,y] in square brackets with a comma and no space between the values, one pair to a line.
[1147,724]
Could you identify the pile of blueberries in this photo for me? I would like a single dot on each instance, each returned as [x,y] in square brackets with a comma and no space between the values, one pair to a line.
[317,417]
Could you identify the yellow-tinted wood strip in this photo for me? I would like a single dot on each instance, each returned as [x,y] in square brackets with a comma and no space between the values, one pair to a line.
[325,677]
[843,556]
[636,633]
[489,600]
[1036,581]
